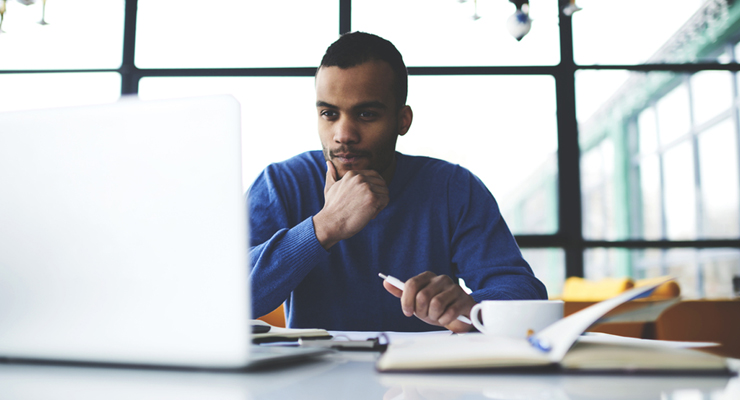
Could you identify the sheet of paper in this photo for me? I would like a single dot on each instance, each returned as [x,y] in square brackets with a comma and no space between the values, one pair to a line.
[648,313]
[465,351]
[560,336]
[393,337]
[598,337]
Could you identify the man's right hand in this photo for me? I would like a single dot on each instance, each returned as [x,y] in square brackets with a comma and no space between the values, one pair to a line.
[349,204]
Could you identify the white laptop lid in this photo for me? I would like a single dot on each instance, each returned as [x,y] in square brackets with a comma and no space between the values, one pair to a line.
[123,234]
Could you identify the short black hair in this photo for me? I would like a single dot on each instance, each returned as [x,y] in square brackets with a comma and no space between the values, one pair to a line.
[355,48]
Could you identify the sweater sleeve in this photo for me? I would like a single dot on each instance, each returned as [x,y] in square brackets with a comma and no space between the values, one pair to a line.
[281,255]
[484,251]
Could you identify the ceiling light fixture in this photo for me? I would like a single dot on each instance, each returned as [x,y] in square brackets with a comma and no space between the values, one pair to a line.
[519,23]
[570,8]
[4,9]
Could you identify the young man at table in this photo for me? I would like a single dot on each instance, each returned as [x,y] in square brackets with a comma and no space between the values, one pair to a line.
[324,224]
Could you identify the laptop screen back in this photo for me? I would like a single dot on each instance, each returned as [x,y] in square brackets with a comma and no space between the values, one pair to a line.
[123,234]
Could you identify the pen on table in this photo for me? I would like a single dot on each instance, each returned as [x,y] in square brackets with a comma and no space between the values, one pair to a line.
[397,283]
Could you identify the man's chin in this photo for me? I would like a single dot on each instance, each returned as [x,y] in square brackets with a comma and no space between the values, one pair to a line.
[343,168]
[343,171]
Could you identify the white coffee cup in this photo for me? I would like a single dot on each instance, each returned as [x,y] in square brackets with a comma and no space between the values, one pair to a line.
[515,318]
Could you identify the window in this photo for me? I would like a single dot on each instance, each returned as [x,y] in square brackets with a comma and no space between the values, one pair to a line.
[269,133]
[600,36]
[511,155]
[700,273]
[674,135]
[674,115]
[597,171]
[446,33]
[41,90]
[548,265]
[680,194]
[612,152]
[711,95]
[194,34]
[66,41]
[719,181]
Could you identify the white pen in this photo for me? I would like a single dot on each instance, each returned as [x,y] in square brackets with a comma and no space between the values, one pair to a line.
[397,283]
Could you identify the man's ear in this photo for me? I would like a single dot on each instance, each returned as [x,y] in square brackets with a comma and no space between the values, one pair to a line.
[405,116]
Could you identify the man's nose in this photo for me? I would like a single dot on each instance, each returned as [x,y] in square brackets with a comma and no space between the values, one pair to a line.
[346,131]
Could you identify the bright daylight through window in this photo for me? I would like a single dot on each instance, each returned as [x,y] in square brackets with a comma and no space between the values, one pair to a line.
[612,152]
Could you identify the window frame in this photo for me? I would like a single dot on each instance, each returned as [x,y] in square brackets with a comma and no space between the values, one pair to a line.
[569,235]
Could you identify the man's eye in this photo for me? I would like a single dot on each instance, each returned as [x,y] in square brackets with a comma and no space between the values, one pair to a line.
[328,113]
[368,114]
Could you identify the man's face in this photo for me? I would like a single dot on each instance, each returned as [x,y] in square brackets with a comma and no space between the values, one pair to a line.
[359,120]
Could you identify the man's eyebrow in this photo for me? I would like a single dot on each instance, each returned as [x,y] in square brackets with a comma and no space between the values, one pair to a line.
[325,104]
[370,104]
[367,104]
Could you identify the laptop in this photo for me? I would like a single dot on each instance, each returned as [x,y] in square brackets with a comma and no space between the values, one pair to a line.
[123,236]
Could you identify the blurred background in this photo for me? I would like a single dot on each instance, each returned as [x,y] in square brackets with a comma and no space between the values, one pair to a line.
[608,131]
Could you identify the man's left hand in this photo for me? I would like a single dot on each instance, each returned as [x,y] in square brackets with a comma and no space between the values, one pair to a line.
[435,299]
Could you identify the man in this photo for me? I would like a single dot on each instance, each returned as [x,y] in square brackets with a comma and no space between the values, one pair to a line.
[324,224]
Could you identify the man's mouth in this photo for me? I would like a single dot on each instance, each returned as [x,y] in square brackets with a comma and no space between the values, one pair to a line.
[348,158]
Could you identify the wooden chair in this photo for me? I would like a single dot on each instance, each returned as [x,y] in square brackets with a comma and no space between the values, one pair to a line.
[276,317]
[703,321]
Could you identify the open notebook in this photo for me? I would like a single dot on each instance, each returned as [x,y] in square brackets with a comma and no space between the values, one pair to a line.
[560,346]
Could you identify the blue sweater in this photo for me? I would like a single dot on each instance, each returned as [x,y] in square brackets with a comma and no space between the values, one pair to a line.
[440,218]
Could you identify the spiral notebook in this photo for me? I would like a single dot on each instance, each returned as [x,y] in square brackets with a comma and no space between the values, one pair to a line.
[560,346]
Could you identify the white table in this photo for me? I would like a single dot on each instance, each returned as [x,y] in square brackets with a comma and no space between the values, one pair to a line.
[346,375]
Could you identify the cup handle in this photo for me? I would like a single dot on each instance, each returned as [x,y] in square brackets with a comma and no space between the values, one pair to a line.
[474,318]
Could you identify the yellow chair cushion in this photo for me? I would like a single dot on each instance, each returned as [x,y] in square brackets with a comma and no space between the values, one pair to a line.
[667,290]
[579,289]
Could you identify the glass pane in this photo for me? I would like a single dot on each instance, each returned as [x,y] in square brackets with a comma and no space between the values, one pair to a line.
[622,202]
[704,273]
[198,34]
[30,91]
[718,163]
[80,34]
[652,218]
[600,37]
[607,100]
[616,118]
[680,185]
[737,60]
[548,266]
[648,131]
[699,273]
[635,200]
[683,264]
[719,266]
[724,58]
[647,263]
[593,168]
[597,170]
[594,89]
[444,32]
[261,125]
[674,117]
[511,148]
[600,263]
[711,94]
